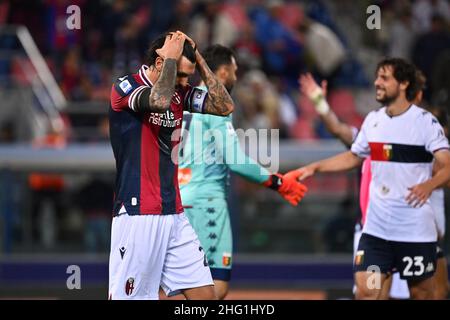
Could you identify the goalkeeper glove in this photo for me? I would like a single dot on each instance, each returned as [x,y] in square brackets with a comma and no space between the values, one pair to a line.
[288,187]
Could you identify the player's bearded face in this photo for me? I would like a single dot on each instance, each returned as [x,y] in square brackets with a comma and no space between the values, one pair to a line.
[229,85]
[185,69]
[386,86]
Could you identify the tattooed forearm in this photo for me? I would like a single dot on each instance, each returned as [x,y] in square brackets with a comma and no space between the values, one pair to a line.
[218,101]
[163,90]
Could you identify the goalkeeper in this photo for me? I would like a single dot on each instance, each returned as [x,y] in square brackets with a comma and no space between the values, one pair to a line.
[204,169]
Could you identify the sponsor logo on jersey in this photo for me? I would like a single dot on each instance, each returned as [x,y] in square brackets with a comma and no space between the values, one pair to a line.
[226,259]
[129,286]
[166,119]
[430,267]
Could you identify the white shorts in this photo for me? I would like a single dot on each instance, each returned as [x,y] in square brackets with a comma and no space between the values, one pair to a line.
[149,251]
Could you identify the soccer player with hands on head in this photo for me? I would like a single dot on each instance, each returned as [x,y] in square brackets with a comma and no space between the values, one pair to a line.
[152,242]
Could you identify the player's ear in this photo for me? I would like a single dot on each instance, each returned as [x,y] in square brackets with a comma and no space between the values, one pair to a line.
[159,63]
[404,85]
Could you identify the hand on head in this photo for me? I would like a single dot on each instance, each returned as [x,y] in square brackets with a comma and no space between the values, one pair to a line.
[173,46]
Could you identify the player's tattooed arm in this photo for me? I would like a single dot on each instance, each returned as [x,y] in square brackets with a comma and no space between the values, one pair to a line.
[163,90]
[218,101]
[158,98]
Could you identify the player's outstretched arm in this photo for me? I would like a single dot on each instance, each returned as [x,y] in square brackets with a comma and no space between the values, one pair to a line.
[420,193]
[341,162]
[317,95]
[240,163]
[287,186]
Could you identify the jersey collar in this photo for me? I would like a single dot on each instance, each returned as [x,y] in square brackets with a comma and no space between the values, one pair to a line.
[143,75]
[397,115]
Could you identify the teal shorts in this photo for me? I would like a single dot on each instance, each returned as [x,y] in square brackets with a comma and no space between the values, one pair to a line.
[211,221]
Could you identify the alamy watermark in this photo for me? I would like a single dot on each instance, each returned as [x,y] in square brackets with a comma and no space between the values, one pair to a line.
[374,280]
[374,19]
[74,280]
[73,21]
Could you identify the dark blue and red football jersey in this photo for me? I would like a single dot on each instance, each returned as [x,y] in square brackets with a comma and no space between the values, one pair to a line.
[146,181]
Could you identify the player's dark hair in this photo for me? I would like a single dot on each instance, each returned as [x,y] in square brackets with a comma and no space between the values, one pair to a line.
[217,56]
[151,55]
[403,71]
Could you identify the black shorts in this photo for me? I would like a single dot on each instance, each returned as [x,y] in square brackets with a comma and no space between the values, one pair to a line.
[413,260]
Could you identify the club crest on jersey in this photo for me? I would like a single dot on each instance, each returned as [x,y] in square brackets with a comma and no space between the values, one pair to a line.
[226,259]
[129,286]
[359,257]
[387,151]
[176,98]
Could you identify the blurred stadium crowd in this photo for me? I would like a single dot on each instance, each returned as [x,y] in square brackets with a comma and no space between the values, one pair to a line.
[274,41]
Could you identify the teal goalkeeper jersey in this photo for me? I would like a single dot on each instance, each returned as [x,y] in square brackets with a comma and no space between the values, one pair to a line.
[209,149]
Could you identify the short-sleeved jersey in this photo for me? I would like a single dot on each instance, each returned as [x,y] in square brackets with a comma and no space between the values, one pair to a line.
[401,150]
[143,146]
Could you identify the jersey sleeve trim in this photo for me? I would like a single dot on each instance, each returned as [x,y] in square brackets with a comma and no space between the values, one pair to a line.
[439,149]
[135,94]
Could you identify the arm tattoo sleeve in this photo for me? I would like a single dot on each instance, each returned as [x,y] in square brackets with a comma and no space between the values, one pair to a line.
[163,90]
[218,101]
